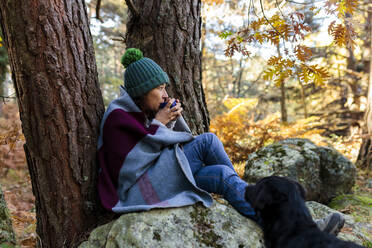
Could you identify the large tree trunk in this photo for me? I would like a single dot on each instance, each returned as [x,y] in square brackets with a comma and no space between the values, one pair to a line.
[54,72]
[169,32]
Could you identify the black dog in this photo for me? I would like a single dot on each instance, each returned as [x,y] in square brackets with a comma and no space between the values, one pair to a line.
[286,221]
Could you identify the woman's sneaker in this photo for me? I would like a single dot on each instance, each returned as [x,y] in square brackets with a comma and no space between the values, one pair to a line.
[331,224]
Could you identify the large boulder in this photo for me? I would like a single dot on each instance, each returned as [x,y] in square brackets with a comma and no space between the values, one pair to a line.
[196,226]
[6,230]
[192,226]
[323,171]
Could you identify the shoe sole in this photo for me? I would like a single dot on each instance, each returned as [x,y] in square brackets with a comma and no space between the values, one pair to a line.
[335,224]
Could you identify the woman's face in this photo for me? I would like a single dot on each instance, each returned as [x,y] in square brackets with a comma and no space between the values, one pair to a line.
[154,98]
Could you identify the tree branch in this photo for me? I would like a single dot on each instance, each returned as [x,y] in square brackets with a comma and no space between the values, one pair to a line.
[132,8]
[98,7]
[7,97]
[280,10]
[263,13]
[304,3]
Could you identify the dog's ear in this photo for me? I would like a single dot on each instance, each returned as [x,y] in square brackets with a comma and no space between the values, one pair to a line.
[301,190]
[263,198]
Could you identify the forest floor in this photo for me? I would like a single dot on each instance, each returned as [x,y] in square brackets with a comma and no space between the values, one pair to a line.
[16,183]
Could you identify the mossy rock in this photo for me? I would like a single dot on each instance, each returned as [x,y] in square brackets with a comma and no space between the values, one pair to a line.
[358,206]
[323,171]
[358,232]
[7,238]
[343,201]
[192,226]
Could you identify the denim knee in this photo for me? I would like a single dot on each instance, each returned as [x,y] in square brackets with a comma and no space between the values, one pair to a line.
[215,178]
[208,138]
[225,172]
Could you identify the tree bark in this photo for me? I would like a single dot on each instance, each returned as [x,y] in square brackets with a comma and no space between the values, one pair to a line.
[169,32]
[364,159]
[283,105]
[303,99]
[54,73]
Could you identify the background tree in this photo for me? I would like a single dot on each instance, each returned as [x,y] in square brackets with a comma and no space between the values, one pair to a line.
[365,152]
[108,38]
[3,71]
[60,103]
[169,32]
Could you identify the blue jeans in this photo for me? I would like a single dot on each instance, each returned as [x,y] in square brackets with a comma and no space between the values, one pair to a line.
[214,172]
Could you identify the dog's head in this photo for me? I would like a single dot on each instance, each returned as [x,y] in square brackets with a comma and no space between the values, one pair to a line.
[274,191]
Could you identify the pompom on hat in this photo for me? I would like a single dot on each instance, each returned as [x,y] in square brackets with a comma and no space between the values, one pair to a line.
[141,74]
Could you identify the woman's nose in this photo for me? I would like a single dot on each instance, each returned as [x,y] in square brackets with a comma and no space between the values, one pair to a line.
[165,94]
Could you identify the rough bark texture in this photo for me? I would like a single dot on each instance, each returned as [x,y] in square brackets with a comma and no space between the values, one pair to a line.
[169,32]
[53,67]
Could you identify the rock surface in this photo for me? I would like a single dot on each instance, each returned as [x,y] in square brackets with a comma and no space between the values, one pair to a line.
[195,226]
[192,226]
[6,229]
[352,230]
[360,207]
[323,171]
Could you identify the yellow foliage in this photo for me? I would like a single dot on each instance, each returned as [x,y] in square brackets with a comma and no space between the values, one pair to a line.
[10,128]
[211,2]
[303,53]
[241,135]
[236,104]
[313,73]
[342,34]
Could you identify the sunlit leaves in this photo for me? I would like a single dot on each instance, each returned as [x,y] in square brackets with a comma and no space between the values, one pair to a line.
[211,2]
[341,7]
[225,34]
[313,73]
[303,53]
[241,135]
[271,31]
[342,34]
[349,6]
[279,69]
[290,28]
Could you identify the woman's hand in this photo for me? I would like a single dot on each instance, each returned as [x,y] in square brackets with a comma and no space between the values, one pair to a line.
[167,114]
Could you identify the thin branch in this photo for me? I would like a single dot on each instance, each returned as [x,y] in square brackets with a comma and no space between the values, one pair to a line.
[304,3]
[280,10]
[132,8]
[121,39]
[249,10]
[98,7]
[263,12]
[7,97]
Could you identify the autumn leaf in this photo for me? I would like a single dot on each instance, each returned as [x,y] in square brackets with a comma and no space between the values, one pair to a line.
[303,53]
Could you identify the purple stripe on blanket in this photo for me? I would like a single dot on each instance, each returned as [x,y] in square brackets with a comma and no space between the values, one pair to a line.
[147,190]
[121,132]
[106,189]
[163,204]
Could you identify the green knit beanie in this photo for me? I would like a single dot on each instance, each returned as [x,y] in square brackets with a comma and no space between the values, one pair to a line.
[141,74]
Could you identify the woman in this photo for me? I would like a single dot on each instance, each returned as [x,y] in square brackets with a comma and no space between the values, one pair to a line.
[148,156]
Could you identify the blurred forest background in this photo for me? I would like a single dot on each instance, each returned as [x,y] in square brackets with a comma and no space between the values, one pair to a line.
[250,105]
